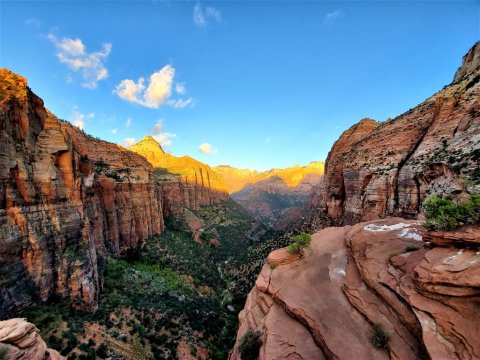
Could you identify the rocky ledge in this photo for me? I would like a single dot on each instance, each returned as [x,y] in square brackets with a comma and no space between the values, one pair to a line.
[326,304]
[20,340]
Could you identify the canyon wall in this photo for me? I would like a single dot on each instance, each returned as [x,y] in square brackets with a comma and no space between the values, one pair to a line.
[68,200]
[384,169]
[373,278]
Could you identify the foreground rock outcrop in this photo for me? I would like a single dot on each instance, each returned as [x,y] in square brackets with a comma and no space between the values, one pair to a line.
[384,169]
[67,200]
[323,305]
[20,340]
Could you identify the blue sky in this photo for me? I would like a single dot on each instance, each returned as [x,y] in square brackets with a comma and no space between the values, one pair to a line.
[255,84]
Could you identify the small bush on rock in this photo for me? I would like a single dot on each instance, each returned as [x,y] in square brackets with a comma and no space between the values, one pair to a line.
[298,242]
[250,345]
[379,336]
[444,214]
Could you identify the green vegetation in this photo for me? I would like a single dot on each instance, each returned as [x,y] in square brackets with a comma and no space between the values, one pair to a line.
[411,248]
[273,266]
[445,214]
[250,345]
[298,242]
[379,336]
[171,289]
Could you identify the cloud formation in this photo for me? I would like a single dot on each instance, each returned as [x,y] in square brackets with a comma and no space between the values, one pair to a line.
[208,149]
[331,17]
[163,138]
[128,123]
[155,93]
[202,16]
[128,142]
[73,53]
[180,88]
[78,119]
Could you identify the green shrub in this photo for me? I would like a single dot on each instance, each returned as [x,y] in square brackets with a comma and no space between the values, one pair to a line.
[250,345]
[379,336]
[444,214]
[304,239]
[410,248]
[298,242]
[273,266]
[294,248]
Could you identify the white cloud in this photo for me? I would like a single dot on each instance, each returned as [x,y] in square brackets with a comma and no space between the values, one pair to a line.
[331,17]
[163,138]
[78,119]
[128,123]
[114,131]
[208,149]
[155,93]
[128,142]
[33,22]
[181,103]
[202,16]
[180,88]
[73,53]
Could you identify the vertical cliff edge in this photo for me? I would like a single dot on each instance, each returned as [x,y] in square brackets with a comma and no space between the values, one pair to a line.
[375,170]
[68,200]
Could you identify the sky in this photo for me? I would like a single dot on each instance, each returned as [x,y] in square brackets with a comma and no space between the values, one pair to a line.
[252,84]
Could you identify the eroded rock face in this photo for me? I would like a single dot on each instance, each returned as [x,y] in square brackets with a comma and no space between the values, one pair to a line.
[68,199]
[20,340]
[384,169]
[185,182]
[270,199]
[324,304]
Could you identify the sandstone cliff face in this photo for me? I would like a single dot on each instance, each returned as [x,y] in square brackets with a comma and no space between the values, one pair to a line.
[236,179]
[20,340]
[376,170]
[323,305]
[66,200]
[270,199]
[185,182]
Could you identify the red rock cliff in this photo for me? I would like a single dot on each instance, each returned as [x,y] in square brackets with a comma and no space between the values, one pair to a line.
[67,200]
[376,170]
[324,305]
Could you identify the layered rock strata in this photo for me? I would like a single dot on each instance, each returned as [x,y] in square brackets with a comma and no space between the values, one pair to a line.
[324,305]
[67,200]
[384,169]
[20,340]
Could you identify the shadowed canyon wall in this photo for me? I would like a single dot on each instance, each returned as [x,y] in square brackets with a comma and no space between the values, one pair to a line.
[67,200]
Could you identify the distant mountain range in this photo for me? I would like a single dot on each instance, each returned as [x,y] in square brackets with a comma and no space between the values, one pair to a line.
[265,194]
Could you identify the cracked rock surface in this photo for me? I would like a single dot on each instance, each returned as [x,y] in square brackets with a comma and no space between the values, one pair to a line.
[323,305]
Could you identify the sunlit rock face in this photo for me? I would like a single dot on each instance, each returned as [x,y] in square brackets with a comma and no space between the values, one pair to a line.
[66,200]
[382,169]
[236,179]
[323,304]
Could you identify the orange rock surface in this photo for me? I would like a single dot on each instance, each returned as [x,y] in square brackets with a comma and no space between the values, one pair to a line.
[20,340]
[236,179]
[192,171]
[323,305]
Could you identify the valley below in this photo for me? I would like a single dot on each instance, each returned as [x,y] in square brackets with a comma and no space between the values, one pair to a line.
[115,253]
